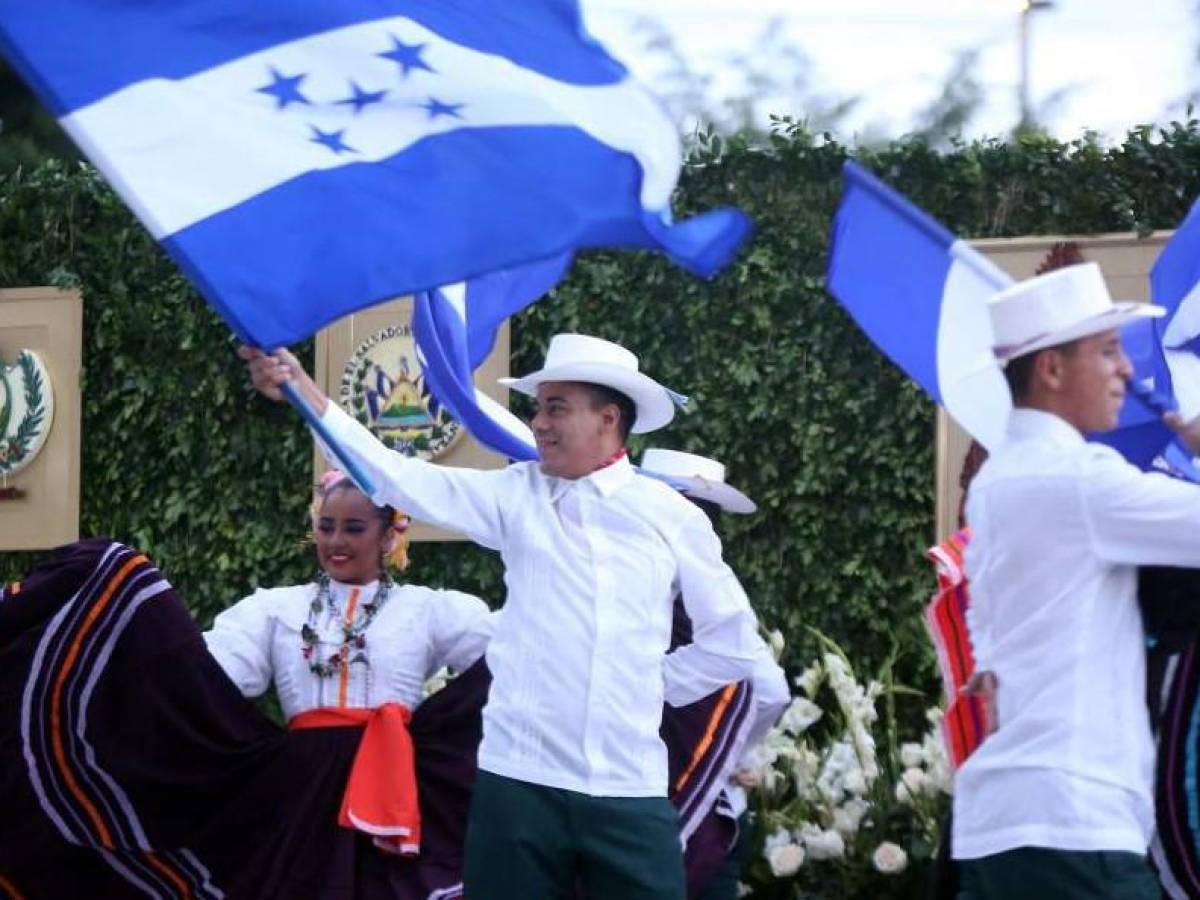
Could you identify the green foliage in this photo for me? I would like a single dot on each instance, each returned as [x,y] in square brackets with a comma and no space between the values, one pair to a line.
[836,446]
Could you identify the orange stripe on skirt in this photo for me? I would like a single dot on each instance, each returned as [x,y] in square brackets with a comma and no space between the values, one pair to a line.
[11,889]
[170,875]
[60,754]
[706,741]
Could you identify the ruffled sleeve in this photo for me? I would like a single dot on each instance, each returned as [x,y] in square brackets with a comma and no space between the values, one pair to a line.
[461,625]
[240,641]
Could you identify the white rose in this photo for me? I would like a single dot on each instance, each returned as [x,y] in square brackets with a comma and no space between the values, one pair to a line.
[889,858]
[800,716]
[827,844]
[786,860]
[912,755]
[780,838]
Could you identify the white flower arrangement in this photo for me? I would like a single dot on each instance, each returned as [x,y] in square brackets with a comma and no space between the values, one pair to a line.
[838,799]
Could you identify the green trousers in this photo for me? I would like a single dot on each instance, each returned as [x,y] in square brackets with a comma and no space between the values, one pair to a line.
[1034,873]
[530,842]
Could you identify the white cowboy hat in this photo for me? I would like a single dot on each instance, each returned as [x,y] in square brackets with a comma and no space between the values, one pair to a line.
[696,476]
[578,357]
[1060,306]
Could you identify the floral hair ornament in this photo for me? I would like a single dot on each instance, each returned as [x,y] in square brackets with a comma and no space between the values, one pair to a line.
[397,558]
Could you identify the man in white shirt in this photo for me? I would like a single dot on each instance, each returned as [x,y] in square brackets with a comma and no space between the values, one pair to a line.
[572,786]
[1057,802]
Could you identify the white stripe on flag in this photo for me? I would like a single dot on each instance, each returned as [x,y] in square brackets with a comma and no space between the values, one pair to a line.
[970,380]
[181,151]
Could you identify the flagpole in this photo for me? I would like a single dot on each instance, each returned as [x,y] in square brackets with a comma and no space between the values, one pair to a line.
[349,466]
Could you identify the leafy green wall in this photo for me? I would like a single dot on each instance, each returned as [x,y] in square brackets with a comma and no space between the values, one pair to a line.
[181,458]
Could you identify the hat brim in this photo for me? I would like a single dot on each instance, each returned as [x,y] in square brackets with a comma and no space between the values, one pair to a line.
[654,406]
[1122,313]
[723,495]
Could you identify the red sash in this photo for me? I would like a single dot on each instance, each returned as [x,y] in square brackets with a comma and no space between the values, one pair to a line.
[965,724]
[381,793]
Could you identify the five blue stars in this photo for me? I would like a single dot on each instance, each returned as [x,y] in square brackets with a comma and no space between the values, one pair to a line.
[437,108]
[361,98]
[331,139]
[407,56]
[285,89]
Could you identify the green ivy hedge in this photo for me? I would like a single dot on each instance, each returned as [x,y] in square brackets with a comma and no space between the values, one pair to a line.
[181,458]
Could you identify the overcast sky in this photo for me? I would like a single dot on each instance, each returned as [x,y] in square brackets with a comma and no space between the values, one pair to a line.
[1123,62]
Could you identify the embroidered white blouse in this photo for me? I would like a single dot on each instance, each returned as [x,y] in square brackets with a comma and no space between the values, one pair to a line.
[418,631]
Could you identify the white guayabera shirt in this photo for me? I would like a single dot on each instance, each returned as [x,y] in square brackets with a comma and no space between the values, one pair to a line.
[418,631]
[1059,526]
[591,567]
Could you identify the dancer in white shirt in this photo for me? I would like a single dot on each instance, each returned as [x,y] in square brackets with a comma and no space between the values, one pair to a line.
[1058,800]
[573,774]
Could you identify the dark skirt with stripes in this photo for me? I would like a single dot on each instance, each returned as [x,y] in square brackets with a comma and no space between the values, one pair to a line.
[131,767]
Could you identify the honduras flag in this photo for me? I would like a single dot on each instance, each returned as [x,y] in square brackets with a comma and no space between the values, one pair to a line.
[1175,285]
[920,295]
[301,159]
[455,329]
[1164,355]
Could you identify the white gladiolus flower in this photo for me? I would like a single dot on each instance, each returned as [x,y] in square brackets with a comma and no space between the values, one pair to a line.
[776,642]
[855,782]
[889,858]
[800,716]
[848,817]
[823,843]
[912,782]
[912,755]
[744,890]
[786,860]
[810,679]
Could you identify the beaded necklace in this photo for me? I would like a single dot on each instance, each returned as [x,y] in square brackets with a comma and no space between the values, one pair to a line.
[354,638]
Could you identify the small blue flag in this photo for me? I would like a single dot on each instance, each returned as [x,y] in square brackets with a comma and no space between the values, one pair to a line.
[301,159]
[920,295]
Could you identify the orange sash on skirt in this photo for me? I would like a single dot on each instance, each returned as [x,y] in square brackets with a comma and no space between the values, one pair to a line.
[381,793]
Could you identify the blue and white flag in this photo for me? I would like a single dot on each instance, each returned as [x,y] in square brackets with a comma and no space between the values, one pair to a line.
[301,159]
[455,329]
[1175,285]
[920,295]
[1164,355]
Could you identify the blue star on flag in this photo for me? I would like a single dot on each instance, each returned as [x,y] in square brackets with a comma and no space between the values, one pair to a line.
[436,107]
[407,56]
[285,89]
[331,139]
[361,98]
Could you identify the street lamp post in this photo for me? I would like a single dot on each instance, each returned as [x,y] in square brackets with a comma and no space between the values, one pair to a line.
[1027,9]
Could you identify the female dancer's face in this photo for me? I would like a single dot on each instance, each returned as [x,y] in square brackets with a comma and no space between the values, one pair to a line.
[351,537]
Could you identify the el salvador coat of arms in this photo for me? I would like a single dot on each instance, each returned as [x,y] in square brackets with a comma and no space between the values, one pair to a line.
[383,386]
[26,411]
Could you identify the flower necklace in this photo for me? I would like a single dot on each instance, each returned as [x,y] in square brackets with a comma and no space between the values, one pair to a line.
[353,631]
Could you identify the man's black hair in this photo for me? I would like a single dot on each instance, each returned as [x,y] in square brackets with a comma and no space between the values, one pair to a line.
[1019,372]
[602,395]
